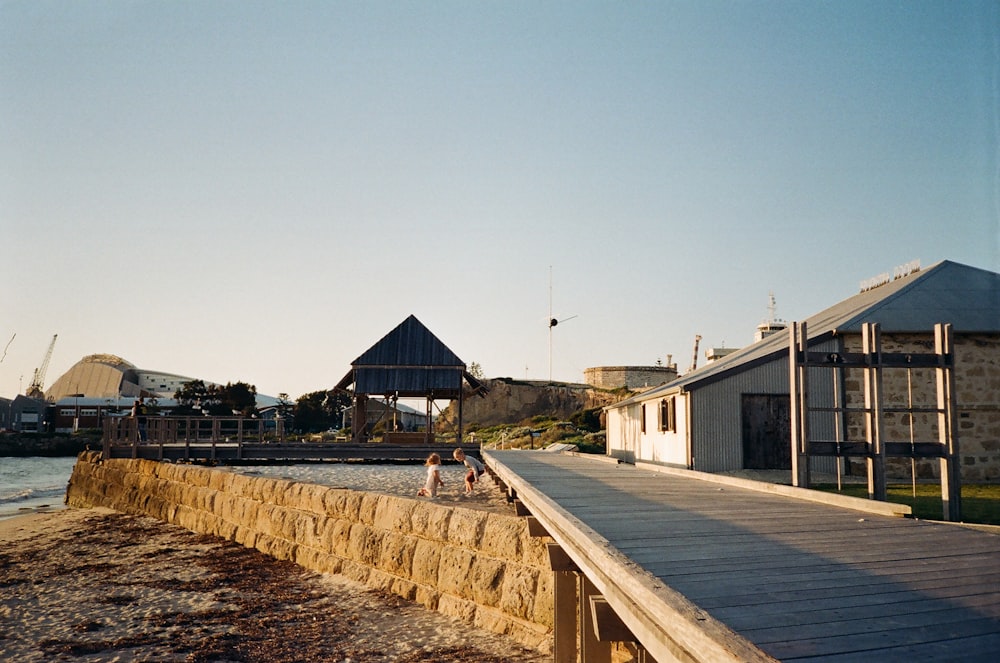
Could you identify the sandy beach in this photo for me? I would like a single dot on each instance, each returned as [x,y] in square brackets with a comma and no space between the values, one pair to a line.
[97,585]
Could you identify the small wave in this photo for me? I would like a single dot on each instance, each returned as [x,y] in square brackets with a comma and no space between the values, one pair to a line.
[25,494]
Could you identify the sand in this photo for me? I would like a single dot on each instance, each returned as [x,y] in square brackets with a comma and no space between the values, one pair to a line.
[97,585]
[401,480]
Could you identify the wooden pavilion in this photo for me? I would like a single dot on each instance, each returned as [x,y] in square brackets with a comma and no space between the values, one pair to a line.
[409,362]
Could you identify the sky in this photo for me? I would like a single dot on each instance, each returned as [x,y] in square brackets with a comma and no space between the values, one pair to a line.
[260,191]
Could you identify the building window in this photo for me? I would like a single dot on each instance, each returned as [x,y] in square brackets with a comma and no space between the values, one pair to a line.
[67,412]
[88,412]
[668,414]
[642,419]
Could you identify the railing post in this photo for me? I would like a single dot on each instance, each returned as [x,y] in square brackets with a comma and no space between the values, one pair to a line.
[871,337]
[798,374]
[950,467]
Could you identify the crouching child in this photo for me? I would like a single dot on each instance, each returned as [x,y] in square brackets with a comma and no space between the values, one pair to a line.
[475,469]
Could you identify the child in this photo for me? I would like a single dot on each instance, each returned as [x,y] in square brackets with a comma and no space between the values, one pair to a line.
[475,469]
[430,488]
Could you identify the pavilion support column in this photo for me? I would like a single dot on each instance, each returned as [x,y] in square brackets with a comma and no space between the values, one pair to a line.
[360,418]
[429,426]
[461,400]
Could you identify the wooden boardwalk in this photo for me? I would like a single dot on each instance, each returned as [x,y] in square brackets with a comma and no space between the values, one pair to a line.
[713,571]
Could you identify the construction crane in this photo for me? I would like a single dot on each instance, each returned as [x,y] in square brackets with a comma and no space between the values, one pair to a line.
[694,359]
[35,388]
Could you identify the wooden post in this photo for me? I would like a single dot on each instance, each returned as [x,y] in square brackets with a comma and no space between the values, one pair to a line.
[872,342]
[428,420]
[799,396]
[461,402]
[564,604]
[592,650]
[359,420]
[951,469]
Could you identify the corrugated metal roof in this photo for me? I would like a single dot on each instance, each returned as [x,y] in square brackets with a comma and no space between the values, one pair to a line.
[409,344]
[947,292]
[409,361]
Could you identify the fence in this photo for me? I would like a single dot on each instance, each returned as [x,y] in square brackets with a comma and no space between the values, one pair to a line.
[173,430]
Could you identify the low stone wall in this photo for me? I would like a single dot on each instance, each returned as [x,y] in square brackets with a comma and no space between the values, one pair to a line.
[478,566]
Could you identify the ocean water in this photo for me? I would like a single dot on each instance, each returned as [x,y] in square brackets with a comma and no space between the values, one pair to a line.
[33,484]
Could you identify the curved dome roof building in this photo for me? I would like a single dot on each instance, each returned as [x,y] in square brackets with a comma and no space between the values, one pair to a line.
[110,376]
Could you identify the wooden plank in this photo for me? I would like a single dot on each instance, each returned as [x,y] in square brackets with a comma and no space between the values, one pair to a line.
[979,649]
[855,626]
[845,597]
[778,616]
[745,590]
[775,575]
[898,637]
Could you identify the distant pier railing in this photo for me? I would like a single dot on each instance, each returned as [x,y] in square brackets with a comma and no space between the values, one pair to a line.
[248,439]
[171,430]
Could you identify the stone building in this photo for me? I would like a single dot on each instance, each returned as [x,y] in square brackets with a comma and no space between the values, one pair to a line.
[633,378]
[734,413]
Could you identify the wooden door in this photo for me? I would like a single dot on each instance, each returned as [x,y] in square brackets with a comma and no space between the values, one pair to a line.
[767,434]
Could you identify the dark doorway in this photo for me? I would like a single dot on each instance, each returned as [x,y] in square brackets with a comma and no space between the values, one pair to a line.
[767,433]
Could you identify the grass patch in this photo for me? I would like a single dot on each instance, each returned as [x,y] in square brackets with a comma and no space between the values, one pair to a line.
[980,502]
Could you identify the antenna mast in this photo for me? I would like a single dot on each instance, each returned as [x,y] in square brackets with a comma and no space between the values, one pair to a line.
[553,322]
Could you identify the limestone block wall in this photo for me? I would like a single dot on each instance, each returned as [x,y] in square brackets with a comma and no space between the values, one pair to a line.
[630,377]
[478,566]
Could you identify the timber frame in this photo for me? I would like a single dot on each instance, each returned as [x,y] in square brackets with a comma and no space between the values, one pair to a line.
[875,447]
[408,362]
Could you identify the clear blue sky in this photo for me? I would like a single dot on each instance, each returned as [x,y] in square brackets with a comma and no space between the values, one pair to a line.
[259,191]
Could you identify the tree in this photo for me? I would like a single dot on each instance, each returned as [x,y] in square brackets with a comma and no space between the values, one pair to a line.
[476,371]
[238,397]
[284,405]
[191,396]
[320,410]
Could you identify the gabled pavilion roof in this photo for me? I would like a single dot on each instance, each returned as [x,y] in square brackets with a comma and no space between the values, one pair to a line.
[409,361]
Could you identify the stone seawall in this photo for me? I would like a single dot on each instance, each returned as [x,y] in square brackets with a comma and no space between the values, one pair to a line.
[480,567]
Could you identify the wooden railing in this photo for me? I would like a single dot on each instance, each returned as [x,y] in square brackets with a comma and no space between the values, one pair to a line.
[172,430]
[242,439]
